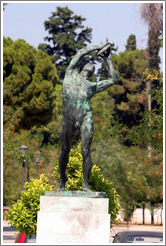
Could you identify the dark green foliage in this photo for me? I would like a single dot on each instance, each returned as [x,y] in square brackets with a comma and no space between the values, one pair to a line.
[129,92]
[23,213]
[128,96]
[150,129]
[153,50]
[131,43]
[29,83]
[51,131]
[66,35]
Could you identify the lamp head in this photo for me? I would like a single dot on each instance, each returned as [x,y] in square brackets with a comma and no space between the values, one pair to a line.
[24,149]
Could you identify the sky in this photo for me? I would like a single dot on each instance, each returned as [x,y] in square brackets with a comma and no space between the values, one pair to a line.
[110,20]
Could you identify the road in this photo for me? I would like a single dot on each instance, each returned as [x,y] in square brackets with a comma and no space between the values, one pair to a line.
[10,234]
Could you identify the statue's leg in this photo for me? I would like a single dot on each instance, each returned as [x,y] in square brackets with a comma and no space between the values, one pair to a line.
[86,139]
[67,133]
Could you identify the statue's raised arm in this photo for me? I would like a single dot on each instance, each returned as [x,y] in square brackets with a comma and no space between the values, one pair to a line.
[104,84]
[77,59]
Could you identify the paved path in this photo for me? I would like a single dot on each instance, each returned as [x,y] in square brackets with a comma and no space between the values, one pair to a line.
[9,233]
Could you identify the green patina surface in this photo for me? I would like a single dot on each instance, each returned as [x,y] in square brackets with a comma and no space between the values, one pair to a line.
[76,194]
[77,92]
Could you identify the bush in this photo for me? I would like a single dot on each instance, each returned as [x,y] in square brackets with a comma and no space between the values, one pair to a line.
[97,181]
[23,213]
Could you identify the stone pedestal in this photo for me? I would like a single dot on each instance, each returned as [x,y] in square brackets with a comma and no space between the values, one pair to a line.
[73,220]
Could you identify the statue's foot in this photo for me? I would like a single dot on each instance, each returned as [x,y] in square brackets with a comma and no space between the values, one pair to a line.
[61,189]
[62,184]
[85,187]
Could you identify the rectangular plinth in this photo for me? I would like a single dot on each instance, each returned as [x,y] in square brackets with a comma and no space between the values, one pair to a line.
[74,204]
[73,220]
[72,228]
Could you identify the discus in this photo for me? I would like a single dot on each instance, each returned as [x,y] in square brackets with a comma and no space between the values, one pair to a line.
[103,49]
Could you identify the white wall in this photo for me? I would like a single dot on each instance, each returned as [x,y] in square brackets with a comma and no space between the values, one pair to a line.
[137,217]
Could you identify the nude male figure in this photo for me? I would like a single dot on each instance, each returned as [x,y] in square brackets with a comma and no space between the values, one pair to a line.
[77,92]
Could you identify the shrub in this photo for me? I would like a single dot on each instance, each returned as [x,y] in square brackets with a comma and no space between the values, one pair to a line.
[23,213]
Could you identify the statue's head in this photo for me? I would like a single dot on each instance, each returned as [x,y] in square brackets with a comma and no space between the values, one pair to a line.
[88,70]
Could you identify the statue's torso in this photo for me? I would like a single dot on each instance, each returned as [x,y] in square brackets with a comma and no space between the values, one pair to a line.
[77,92]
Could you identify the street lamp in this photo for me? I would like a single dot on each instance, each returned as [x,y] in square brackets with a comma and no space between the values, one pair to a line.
[24,150]
[37,160]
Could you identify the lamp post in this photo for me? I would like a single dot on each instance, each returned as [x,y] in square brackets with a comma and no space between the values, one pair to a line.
[37,160]
[24,150]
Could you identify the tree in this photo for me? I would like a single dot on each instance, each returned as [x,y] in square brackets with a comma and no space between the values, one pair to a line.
[127,96]
[66,35]
[29,83]
[131,42]
[13,159]
[136,178]
[129,92]
[145,134]
[152,14]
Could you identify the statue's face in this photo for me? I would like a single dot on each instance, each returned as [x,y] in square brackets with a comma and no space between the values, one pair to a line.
[88,70]
[86,73]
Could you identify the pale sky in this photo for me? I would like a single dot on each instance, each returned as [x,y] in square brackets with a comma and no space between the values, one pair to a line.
[112,20]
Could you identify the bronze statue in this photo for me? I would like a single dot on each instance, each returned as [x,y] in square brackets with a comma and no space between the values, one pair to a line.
[77,92]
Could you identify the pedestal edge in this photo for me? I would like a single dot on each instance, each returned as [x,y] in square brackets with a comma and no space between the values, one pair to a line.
[92,194]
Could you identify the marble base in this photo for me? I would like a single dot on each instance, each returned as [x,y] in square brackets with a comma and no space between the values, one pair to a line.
[73,220]
[74,204]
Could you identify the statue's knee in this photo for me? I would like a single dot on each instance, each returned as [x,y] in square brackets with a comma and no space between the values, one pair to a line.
[65,151]
[85,152]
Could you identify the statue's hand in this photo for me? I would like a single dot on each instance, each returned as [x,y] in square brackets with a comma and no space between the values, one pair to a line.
[109,57]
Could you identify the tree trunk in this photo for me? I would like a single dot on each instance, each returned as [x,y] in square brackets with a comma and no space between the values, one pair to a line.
[143,214]
[28,173]
[152,213]
[161,218]
[152,218]
[23,174]
[149,108]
